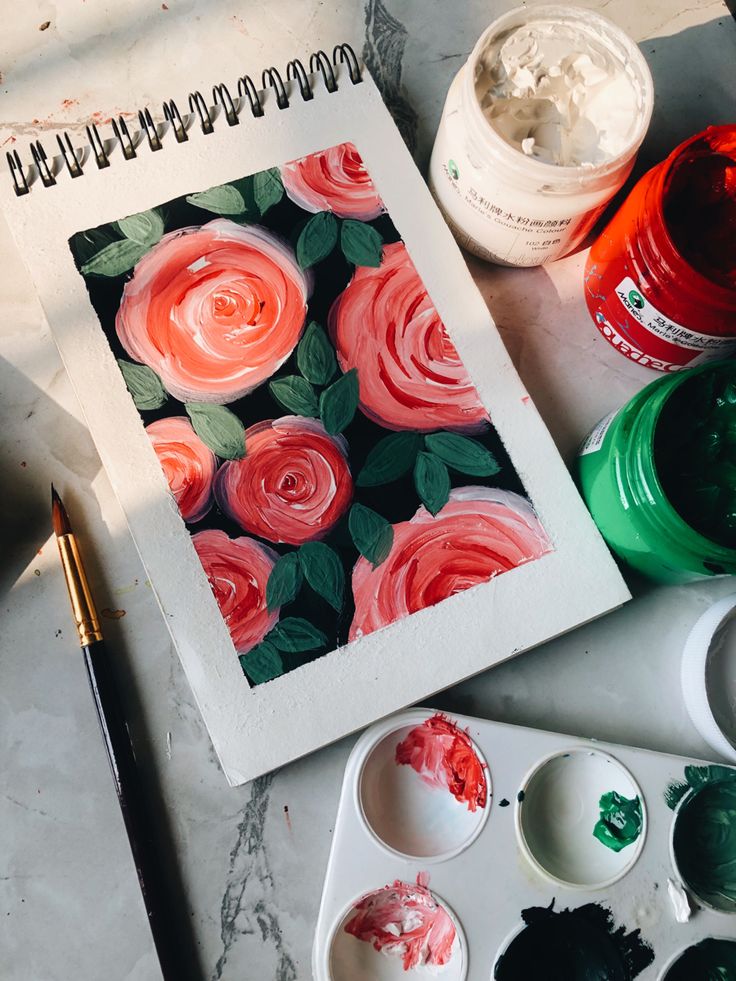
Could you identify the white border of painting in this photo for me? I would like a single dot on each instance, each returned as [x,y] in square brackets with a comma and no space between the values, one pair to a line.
[255,730]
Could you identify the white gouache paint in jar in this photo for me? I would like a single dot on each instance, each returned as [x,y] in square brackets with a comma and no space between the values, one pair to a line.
[567,98]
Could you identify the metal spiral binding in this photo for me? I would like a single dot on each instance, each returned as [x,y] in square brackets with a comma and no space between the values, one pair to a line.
[297,78]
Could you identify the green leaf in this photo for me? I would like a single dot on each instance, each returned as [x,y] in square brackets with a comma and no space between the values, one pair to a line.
[360,243]
[143,384]
[337,404]
[222,200]
[84,245]
[295,635]
[432,481]
[115,259]
[295,394]
[390,458]
[262,663]
[315,356]
[218,428]
[323,571]
[372,534]
[317,239]
[267,189]
[462,453]
[284,582]
[146,227]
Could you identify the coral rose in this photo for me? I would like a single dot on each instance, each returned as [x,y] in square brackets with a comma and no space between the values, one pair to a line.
[188,464]
[479,533]
[238,570]
[214,310]
[333,180]
[411,377]
[291,486]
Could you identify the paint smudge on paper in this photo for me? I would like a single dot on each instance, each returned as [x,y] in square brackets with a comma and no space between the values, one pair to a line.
[580,944]
[109,614]
[406,921]
[620,822]
[444,757]
[704,837]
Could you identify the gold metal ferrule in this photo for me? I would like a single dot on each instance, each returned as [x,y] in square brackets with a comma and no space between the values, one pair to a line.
[83,607]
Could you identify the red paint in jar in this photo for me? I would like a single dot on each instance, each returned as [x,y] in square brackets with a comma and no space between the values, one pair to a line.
[660,282]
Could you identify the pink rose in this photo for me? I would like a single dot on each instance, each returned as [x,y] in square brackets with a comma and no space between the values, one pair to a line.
[479,533]
[238,570]
[291,486]
[411,377]
[214,310]
[333,180]
[188,464]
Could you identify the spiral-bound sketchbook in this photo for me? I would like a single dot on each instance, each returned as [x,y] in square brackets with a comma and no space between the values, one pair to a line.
[343,496]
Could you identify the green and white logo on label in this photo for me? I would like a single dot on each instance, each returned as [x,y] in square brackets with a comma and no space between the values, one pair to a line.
[636,299]
[452,167]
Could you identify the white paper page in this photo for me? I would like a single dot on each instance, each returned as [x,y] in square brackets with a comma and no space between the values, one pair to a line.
[259,728]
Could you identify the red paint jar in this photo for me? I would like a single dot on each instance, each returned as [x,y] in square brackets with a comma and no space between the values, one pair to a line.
[660,282]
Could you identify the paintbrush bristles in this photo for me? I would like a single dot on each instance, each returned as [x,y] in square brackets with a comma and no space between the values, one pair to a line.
[59,516]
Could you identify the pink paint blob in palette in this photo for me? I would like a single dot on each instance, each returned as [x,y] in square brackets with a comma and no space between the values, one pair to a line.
[471,850]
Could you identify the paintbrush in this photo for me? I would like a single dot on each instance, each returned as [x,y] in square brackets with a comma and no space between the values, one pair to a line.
[120,753]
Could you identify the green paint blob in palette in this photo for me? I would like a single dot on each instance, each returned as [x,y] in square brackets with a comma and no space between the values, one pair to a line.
[471,850]
[704,835]
[620,822]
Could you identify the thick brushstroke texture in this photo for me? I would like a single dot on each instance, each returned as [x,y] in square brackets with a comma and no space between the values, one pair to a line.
[383,53]
[189,465]
[620,822]
[478,534]
[573,945]
[405,921]
[411,377]
[214,309]
[443,756]
[238,570]
[333,180]
[292,485]
[710,960]
[704,843]
[247,908]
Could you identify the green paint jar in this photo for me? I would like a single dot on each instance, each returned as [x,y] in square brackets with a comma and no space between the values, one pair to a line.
[626,471]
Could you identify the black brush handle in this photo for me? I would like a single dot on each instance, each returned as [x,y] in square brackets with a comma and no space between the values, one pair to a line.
[132,806]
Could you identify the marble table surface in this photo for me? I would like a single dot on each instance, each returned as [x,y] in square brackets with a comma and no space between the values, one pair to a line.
[248,863]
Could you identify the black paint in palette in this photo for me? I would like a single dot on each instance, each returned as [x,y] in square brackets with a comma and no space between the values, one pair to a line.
[580,944]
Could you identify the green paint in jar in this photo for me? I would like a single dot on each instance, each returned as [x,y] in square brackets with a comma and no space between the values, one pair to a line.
[659,476]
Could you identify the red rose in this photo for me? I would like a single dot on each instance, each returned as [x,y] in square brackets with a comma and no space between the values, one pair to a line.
[333,180]
[214,310]
[291,486]
[188,464]
[238,570]
[479,533]
[411,377]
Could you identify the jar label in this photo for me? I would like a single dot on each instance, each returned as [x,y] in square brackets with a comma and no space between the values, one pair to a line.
[638,307]
[594,440]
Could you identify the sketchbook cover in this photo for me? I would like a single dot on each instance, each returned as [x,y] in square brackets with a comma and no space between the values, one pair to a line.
[343,496]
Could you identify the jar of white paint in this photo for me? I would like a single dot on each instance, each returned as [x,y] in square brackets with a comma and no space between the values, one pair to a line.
[541,127]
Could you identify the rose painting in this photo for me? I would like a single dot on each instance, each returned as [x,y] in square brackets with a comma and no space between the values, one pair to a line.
[324,442]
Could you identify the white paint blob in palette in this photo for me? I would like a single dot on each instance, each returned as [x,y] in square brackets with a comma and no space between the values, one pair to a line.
[477,851]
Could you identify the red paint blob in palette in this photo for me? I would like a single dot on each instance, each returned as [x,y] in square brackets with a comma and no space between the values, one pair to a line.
[577,879]
[444,757]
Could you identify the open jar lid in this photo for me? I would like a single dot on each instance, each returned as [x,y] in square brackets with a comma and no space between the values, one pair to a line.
[709,676]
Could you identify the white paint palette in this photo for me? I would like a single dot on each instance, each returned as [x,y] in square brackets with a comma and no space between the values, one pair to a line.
[449,827]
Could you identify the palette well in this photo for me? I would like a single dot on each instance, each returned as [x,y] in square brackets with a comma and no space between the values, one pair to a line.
[470,850]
